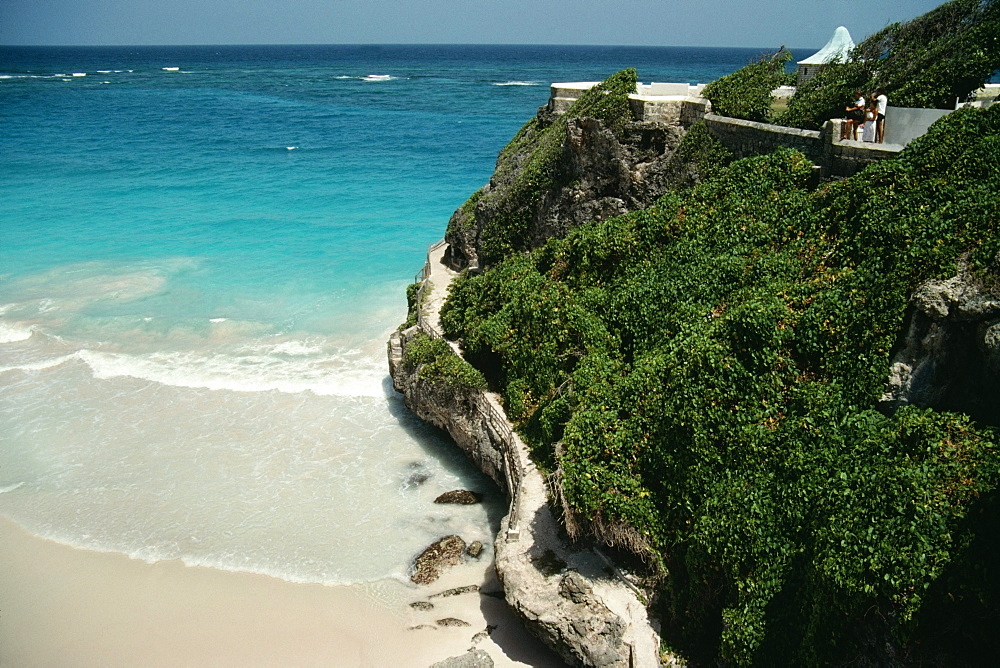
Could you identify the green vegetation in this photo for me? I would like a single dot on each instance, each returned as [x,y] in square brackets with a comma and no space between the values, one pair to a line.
[931,61]
[698,157]
[746,93]
[530,166]
[412,307]
[703,377]
[436,362]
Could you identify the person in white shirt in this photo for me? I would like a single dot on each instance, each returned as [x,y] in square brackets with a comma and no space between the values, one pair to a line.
[883,102]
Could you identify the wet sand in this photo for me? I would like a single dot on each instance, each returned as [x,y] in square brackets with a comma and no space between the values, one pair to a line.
[62,606]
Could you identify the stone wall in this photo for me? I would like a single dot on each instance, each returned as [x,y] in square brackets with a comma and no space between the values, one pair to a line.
[672,110]
[834,157]
[746,138]
[669,104]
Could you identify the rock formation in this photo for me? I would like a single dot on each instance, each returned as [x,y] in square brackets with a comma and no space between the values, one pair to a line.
[950,359]
[605,174]
[562,592]
[460,497]
[444,552]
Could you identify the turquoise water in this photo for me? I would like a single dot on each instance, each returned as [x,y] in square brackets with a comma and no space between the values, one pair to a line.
[202,254]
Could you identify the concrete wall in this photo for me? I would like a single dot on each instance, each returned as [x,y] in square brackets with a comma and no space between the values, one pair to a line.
[902,125]
[680,104]
[833,156]
[651,102]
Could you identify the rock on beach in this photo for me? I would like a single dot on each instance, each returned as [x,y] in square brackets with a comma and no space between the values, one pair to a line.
[445,552]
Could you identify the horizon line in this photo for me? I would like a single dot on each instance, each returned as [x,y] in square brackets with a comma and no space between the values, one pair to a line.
[369,44]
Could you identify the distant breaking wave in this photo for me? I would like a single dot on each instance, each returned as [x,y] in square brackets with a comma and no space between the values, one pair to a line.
[518,83]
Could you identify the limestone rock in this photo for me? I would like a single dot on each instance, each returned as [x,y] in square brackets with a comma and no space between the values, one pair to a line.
[460,497]
[605,175]
[950,359]
[468,589]
[474,658]
[444,552]
[475,549]
[423,606]
[452,621]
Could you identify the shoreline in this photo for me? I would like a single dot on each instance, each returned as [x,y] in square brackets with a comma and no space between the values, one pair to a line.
[61,605]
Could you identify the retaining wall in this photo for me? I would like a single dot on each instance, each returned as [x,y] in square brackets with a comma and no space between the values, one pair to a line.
[833,156]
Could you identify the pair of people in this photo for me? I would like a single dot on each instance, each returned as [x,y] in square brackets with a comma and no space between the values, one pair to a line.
[869,116]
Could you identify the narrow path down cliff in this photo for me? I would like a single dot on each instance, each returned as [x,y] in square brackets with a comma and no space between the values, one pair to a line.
[569,596]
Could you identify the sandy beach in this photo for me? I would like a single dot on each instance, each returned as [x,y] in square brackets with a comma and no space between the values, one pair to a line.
[62,606]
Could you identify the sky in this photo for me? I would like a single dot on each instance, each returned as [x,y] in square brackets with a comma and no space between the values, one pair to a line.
[751,23]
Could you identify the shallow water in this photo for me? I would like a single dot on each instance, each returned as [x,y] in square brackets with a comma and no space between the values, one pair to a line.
[203,253]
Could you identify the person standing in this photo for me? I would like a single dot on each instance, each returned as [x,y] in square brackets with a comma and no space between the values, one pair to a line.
[868,129]
[883,103]
[855,117]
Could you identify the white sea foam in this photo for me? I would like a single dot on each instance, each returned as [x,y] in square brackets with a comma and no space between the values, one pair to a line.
[40,365]
[11,488]
[518,83]
[79,74]
[171,69]
[11,332]
[378,77]
[289,367]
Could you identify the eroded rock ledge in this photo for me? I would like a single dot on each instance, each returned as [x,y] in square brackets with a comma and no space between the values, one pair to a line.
[567,595]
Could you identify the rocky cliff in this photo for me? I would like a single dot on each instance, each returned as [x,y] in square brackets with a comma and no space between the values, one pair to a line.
[950,356]
[567,594]
[561,171]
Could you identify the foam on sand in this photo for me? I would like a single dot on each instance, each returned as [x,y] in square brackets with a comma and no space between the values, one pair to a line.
[64,606]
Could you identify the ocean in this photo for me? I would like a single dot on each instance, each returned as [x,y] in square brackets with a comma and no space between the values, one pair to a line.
[203,251]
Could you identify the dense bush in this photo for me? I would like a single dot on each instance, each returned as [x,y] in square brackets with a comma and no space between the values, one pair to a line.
[931,61]
[698,157]
[435,361]
[703,375]
[746,93]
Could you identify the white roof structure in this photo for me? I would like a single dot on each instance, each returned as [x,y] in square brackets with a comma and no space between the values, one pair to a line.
[839,46]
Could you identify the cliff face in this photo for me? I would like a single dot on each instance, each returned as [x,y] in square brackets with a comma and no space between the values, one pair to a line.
[950,358]
[564,593]
[599,172]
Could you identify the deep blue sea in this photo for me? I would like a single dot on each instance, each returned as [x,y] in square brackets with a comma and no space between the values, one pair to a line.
[202,253]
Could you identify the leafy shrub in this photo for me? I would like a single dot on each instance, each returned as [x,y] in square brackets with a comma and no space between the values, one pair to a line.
[436,362]
[698,157]
[825,96]
[412,306]
[746,93]
[710,368]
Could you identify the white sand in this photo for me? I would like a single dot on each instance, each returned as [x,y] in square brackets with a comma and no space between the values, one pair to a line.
[62,606]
